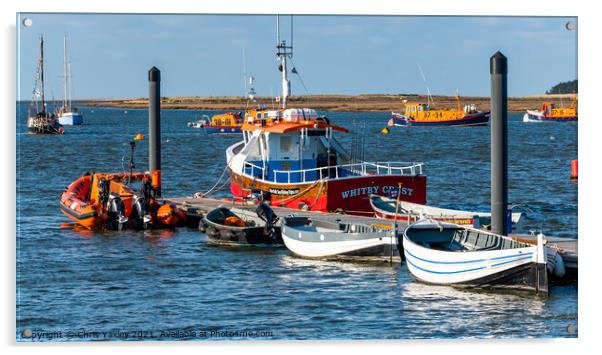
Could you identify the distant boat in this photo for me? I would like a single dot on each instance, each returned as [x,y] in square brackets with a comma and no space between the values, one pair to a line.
[449,254]
[311,238]
[549,113]
[200,123]
[225,123]
[39,120]
[67,114]
[421,115]
[386,208]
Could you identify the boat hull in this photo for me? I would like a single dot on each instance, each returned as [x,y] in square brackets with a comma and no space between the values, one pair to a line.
[519,268]
[244,236]
[533,116]
[323,243]
[70,119]
[75,204]
[349,195]
[222,129]
[477,119]
[37,125]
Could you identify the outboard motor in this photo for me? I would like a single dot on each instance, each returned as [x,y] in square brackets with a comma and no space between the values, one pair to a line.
[115,212]
[266,214]
[140,216]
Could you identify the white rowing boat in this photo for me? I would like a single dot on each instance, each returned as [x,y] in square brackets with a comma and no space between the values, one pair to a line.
[451,254]
[311,238]
[386,208]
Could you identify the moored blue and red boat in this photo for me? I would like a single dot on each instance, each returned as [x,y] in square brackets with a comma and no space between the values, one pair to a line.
[291,158]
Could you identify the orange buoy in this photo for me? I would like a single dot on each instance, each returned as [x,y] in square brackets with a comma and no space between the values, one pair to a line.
[169,215]
[574,168]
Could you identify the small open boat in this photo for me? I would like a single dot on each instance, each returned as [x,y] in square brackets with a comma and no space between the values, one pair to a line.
[451,254]
[386,208]
[311,238]
[235,227]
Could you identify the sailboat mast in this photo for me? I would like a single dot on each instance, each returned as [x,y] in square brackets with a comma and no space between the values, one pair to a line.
[66,78]
[42,71]
[69,81]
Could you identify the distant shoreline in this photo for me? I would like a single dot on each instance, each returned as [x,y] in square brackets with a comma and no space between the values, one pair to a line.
[340,103]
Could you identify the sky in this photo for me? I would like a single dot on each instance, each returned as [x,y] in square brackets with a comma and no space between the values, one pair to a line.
[208,55]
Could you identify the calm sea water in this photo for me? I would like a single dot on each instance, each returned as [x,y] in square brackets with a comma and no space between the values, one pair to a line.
[77,285]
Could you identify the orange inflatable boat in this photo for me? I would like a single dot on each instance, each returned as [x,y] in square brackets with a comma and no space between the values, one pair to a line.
[114,201]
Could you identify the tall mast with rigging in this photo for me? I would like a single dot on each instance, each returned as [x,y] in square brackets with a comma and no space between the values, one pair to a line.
[65,70]
[41,65]
[283,53]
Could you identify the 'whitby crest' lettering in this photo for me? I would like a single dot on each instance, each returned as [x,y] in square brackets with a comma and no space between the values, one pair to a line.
[361,191]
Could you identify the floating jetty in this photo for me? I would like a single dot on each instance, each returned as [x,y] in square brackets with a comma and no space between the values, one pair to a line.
[196,208]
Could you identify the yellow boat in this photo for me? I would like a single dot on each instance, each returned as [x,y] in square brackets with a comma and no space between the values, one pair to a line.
[225,123]
[550,113]
[420,114]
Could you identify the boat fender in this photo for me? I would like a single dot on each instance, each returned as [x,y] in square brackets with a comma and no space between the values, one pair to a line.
[559,269]
[202,226]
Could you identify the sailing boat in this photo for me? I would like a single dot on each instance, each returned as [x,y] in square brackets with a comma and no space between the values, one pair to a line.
[68,115]
[291,158]
[40,121]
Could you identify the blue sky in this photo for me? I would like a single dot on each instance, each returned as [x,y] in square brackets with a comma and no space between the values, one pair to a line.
[202,55]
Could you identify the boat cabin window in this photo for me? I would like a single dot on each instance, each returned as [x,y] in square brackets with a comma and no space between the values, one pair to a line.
[286,143]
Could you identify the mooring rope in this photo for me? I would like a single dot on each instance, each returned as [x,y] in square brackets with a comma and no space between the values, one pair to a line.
[203,194]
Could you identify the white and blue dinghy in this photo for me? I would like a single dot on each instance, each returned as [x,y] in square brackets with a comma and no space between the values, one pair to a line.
[310,238]
[451,254]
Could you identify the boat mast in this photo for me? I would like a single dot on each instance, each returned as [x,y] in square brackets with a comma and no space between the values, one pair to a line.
[429,98]
[283,52]
[69,82]
[66,77]
[42,71]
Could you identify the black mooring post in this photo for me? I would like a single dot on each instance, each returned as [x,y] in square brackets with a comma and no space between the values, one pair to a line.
[154,128]
[499,143]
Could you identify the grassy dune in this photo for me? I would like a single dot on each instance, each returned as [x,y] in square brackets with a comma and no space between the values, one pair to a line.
[346,103]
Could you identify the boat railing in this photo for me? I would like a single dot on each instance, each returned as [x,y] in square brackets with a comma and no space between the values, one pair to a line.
[253,170]
[339,171]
